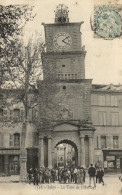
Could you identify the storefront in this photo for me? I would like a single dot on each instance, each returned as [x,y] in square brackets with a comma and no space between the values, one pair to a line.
[9,162]
[112,160]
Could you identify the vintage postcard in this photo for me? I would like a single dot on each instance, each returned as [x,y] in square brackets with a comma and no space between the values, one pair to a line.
[60,97]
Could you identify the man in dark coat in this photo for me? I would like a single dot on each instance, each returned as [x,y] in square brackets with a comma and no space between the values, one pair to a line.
[35,177]
[30,175]
[92,175]
[97,175]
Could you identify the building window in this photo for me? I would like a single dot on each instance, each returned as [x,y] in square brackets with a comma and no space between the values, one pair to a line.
[22,115]
[1,140]
[5,116]
[102,118]
[63,65]
[103,141]
[16,114]
[11,143]
[97,142]
[114,100]
[64,87]
[35,139]
[115,141]
[101,100]
[34,113]
[115,118]
[16,139]
[1,114]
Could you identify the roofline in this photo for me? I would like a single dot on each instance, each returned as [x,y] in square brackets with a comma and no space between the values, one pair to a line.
[62,24]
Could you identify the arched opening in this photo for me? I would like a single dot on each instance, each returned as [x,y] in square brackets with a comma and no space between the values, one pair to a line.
[66,154]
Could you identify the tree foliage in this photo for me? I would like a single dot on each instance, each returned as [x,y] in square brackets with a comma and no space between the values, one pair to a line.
[20,65]
[13,19]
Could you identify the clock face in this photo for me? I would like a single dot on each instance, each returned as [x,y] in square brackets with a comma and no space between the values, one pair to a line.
[62,40]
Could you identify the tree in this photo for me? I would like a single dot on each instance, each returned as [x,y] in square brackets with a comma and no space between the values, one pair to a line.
[13,19]
[22,76]
[20,65]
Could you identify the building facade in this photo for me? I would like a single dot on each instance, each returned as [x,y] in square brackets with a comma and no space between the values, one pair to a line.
[106,106]
[84,116]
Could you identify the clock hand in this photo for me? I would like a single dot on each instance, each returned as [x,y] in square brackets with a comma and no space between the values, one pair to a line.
[65,38]
[65,42]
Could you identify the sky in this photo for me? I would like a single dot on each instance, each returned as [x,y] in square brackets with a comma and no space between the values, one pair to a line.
[103,62]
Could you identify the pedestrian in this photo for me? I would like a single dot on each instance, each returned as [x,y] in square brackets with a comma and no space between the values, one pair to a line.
[52,175]
[59,174]
[56,175]
[35,177]
[41,173]
[69,175]
[83,175]
[30,175]
[92,174]
[101,174]
[97,175]
[72,175]
[75,174]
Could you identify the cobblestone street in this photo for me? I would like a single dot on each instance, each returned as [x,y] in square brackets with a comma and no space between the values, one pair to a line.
[112,186]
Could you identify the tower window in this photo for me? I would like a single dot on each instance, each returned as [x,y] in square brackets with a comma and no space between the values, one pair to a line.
[63,65]
[64,87]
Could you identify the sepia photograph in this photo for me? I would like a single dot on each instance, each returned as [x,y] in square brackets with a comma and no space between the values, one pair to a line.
[60,97]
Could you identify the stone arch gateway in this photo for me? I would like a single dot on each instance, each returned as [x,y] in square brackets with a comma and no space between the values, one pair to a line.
[80,138]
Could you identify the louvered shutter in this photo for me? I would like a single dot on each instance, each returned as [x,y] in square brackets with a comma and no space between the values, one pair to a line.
[30,115]
[34,113]
[11,115]
[5,115]
[22,113]
[11,140]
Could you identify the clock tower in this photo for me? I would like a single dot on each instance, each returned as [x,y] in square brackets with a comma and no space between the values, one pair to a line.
[63,63]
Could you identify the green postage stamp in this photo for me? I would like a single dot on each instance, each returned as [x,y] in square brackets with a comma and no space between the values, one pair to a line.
[106,22]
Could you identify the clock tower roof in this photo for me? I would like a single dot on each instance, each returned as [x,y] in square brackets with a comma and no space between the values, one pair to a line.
[63,24]
[61,14]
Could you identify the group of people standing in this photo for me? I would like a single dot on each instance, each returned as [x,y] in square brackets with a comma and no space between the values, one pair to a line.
[95,174]
[62,175]
[65,175]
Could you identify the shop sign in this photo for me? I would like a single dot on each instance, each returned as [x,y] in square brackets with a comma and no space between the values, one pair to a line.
[109,158]
[115,152]
[9,151]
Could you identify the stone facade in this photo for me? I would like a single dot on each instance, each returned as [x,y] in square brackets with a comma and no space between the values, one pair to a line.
[106,116]
[72,111]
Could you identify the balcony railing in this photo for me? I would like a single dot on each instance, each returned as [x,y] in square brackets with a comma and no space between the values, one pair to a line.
[66,76]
